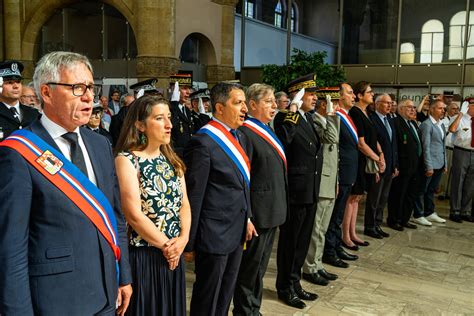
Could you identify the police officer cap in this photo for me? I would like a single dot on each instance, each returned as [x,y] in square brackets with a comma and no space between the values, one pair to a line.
[308,82]
[11,69]
[201,93]
[332,91]
[97,107]
[147,85]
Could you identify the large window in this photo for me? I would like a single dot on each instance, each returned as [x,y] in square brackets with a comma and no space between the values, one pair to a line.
[457,29]
[294,18]
[407,53]
[250,9]
[432,39]
[278,15]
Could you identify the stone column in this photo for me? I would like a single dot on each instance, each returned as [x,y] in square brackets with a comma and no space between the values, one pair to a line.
[225,70]
[155,35]
[12,29]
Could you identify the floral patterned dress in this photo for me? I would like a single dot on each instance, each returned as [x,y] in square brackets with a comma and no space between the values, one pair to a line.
[160,193]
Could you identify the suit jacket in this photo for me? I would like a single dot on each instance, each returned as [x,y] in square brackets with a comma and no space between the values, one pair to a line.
[54,261]
[408,159]
[103,132]
[348,156]
[304,156]
[9,124]
[434,150]
[389,147]
[268,185]
[116,124]
[183,128]
[328,131]
[218,195]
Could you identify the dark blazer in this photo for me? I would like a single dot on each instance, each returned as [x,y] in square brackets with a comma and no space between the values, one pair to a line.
[218,195]
[408,159]
[183,128]
[103,132]
[304,156]
[8,122]
[54,261]
[116,124]
[389,147]
[348,156]
[268,185]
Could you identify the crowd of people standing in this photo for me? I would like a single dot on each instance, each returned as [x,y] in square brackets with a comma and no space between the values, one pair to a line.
[117,195]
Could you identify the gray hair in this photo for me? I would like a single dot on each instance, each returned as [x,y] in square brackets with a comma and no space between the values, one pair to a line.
[280,94]
[50,66]
[122,98]
[257,91]
[380,96]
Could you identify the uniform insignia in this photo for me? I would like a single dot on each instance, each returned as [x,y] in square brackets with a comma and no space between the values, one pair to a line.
[49,162]
[14,67]
[292,118]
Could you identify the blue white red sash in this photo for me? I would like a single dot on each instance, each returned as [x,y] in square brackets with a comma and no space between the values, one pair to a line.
[346,119]
[266,133]
[230,145]
[71,181]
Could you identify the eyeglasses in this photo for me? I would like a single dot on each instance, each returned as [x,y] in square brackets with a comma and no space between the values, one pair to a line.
[79,89]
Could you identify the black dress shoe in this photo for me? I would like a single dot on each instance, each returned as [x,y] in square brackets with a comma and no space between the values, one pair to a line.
[315,278]
[395,226]
[455,218]
[353,248]
[327,275]
[372,233]
[467,218]
[410,225]
[307,296]
[362,244]
[341,253]
[335,261]
[291,299]
[379,230]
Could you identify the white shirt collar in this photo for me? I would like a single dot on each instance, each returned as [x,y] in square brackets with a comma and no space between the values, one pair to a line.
[382,117]
[53,129]
[435,122]
[220,122]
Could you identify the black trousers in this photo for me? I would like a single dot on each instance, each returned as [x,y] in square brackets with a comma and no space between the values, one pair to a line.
[249,287]
[215,282]
[293,244]
[401,199]
[377,197]
[334,232]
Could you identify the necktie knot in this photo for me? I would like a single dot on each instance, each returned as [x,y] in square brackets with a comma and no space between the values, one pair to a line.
[234,133]
[77,157]
[15,113]
[71,137]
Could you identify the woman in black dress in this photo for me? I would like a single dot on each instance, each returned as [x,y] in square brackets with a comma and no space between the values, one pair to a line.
[155,204]
[368,147]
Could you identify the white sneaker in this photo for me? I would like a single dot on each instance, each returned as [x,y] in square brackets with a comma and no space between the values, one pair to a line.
[435,218]
[422,221]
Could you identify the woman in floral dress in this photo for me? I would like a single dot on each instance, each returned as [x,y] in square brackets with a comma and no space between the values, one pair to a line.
[156,207]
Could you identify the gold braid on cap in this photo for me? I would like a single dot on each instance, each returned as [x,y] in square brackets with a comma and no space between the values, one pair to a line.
[305,84]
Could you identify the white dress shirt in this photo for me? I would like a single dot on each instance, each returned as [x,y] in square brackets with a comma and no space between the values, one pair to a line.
[56,132]
[462,137]
[17,107]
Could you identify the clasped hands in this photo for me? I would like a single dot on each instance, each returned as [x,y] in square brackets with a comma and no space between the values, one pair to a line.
[172,251]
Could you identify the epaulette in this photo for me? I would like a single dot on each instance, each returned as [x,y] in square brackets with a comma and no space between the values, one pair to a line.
[292,117]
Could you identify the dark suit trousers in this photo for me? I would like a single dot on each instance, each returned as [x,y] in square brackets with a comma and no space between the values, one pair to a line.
[401,199]
[377,197]
[334,233]
[215,282]
[249,286]
[293,244]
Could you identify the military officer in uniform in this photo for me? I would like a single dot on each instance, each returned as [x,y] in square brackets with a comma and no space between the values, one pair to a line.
[200,108]
[13,114]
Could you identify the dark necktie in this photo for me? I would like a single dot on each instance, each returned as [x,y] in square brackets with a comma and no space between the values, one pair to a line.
[472,131]
[183,109]
[415,134]
[15,114]
[234,133]
[77,157]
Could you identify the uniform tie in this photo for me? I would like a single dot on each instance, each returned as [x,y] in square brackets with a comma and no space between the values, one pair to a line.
[15,114]
[77,157]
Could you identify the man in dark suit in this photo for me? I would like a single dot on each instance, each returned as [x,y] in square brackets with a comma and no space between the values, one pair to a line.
[13,114]
[348,162]
[303,151]
[94,122]
[217,179]
[117,120]
[268,195]
[54,260]
[379,186]
[404,188]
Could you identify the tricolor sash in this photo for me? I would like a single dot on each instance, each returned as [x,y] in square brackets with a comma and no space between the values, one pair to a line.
[267,134]
[345,118]
[230,145]
[70,180]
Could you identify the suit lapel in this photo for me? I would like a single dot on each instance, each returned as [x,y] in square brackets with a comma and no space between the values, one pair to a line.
[38,128]
[308,128]
[4,111]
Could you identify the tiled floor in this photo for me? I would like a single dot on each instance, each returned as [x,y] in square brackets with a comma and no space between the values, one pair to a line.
[427,271]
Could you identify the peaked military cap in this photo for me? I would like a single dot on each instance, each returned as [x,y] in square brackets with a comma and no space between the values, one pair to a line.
[147,85]
[331,91]
[201,93]
[11,69]
[308,82]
